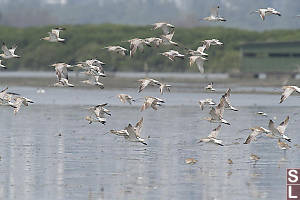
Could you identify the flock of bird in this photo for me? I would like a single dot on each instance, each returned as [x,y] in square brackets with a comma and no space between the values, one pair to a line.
[94,69]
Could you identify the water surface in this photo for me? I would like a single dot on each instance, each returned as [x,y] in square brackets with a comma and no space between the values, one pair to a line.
[86,163]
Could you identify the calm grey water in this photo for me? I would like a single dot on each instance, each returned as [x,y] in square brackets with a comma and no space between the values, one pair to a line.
[86,163]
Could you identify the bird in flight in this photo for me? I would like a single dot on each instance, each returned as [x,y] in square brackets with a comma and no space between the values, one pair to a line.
[279,131]
[165,27]
[263,12]
[9,53]
[54,35]
[212,137]
[214,16]
[256,131]
[287,91]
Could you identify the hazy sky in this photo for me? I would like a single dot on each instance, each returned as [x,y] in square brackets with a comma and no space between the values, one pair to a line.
[180,12]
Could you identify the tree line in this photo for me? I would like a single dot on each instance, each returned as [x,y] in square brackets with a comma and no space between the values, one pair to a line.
[87,42]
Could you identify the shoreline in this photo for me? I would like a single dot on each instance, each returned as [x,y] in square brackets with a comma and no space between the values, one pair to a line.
[129,80]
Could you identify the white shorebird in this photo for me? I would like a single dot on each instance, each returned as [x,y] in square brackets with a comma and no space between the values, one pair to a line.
[7,97]
[125,98]
[147,81]
[54,35]
[19,101]
[212,137]
[99,111]
[206,102]
[214,15]
[279,131]
[227,101]
[93,80]
[210,87]
[9,53]
[134,132]
[137,43]
[216,114]
[262,114]
[212,42]
[62,74]
[288,90]
[93,66]
[167,39]
[131,133]
[165,27]
[61,69]
[2,66]
[282,145]
[255,132]
[199,60]
[13,100]
[266,11]
[154,40]
[172,54]
[117,49]
[164,86]
[199,52]
[154,102]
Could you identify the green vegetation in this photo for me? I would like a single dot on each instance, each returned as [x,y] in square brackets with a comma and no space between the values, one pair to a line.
[87,41]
